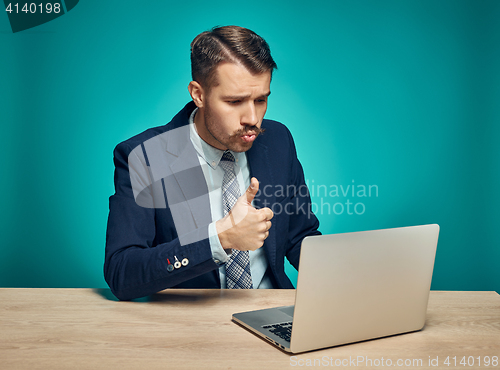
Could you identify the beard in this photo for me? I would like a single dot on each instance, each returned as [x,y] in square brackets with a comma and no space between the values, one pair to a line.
[232,141]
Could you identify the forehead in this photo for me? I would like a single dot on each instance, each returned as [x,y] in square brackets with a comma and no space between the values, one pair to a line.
[234,78]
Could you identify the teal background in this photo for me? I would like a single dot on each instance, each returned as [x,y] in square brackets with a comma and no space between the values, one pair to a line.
[404,95]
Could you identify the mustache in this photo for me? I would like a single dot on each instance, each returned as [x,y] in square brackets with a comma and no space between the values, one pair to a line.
[247,129]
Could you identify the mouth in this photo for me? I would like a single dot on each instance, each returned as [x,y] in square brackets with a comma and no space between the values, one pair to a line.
[248,137]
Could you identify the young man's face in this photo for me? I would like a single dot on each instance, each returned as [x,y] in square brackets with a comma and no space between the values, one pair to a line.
[231,113]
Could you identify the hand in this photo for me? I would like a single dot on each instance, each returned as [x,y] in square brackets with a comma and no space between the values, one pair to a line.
[245,228]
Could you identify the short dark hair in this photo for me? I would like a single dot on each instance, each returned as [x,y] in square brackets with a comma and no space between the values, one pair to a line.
[228,44]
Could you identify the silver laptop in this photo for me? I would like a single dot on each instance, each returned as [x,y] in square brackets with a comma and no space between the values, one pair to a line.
[353,287]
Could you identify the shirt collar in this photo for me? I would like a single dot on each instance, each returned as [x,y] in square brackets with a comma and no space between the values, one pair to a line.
[210,154]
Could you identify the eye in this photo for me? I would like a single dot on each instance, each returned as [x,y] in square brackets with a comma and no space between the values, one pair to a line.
[260,101]
[234,102]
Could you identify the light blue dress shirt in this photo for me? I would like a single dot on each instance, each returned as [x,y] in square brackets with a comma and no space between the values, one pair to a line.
[209,158]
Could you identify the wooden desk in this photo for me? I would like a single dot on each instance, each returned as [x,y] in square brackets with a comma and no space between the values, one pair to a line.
[192,329]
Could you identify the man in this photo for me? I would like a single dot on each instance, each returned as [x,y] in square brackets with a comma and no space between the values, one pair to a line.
[209,200]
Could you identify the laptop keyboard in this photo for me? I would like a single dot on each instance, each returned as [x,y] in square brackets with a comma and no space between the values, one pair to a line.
[282,330]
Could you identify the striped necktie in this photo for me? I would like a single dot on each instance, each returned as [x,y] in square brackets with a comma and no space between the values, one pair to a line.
[238,266]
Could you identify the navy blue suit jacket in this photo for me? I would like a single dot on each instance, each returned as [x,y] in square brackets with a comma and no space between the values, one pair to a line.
[140,239]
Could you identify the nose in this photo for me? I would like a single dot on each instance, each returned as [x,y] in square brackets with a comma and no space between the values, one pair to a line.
[249,116]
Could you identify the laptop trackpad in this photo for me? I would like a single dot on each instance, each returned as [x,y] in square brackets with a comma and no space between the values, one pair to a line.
[288,310]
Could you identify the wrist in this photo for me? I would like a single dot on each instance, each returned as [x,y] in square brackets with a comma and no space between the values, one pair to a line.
[223,227]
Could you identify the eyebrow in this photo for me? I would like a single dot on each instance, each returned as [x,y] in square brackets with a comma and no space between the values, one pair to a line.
[242,97]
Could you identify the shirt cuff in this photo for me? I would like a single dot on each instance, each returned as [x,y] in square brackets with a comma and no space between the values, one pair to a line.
[218,254]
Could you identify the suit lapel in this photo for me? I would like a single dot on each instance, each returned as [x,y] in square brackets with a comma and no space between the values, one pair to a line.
[189,192]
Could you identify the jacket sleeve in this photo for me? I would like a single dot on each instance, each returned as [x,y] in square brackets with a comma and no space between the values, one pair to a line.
[136,263]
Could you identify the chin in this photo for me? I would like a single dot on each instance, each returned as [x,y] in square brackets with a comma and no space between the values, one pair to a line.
[240,147]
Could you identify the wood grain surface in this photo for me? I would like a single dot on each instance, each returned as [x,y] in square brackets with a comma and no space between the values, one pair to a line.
[192,329]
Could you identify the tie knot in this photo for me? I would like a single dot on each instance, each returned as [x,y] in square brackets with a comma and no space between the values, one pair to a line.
[227,156]
[227,161]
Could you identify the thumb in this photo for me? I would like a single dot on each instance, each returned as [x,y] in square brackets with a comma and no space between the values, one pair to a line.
[252,190]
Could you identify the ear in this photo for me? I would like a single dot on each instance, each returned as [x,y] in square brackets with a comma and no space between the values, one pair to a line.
[197,93]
